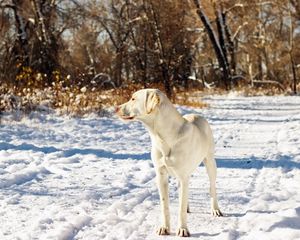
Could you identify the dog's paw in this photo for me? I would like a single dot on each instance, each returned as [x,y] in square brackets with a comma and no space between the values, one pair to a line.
[182,232]
[163,231]
[216,213]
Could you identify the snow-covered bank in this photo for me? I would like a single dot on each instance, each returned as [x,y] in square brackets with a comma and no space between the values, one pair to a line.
[92,178]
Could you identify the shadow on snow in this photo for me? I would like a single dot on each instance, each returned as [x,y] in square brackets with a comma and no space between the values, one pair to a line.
[101,153]
[284,162]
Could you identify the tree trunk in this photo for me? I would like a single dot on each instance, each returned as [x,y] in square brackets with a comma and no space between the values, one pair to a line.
[291,47]
[232,46]
[166,79]
[162,54]
[260,68]
[145,58]
[43,31]
[46,43]
[118,68]
[221,33]
[22,53]
[216,45]
[294,74]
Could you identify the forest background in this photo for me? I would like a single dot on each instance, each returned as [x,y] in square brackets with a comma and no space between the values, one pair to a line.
[79,56]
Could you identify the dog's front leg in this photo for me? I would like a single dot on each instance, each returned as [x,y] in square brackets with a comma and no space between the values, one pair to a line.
[163,187]
[182,230]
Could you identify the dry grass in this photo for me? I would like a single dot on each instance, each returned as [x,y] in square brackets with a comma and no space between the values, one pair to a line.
[186,99]
[78,101]
[66,101]
[180,97]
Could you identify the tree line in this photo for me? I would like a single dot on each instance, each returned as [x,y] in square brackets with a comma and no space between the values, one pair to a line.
[182,44]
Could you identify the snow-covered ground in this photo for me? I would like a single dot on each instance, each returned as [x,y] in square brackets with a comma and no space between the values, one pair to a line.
[92,178]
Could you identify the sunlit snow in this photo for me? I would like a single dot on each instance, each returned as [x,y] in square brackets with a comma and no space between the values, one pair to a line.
[92,178]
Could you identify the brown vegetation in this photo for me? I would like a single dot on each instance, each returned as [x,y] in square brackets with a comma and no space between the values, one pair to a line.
[85,53]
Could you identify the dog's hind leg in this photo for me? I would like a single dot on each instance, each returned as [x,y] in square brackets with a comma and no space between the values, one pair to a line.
[211,168]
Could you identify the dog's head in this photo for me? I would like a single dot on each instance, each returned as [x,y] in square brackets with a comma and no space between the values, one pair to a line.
[142,104]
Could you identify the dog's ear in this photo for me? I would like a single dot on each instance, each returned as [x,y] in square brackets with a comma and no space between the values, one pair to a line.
[152,101]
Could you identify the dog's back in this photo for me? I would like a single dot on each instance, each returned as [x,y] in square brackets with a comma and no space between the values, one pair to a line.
[203,126]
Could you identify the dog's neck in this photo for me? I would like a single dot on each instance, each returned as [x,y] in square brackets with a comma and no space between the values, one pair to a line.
[165,123]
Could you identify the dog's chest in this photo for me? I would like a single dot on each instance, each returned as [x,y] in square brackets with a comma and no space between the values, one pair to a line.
[168,158]
[162,146]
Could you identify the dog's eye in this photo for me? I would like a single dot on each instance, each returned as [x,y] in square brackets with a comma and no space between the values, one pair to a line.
[132,99]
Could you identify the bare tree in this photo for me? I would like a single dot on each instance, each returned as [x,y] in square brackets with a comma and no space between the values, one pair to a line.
[296,5]
[36,44]
[118,43]
[219,44]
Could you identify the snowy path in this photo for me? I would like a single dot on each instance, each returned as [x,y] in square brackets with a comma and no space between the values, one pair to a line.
[92,178]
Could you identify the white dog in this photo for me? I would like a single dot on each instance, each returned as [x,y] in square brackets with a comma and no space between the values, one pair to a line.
[179,145]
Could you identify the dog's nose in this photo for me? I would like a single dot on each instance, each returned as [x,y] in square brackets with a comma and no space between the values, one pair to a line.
[117,109]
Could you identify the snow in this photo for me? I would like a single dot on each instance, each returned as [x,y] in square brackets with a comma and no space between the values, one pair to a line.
[92,178]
